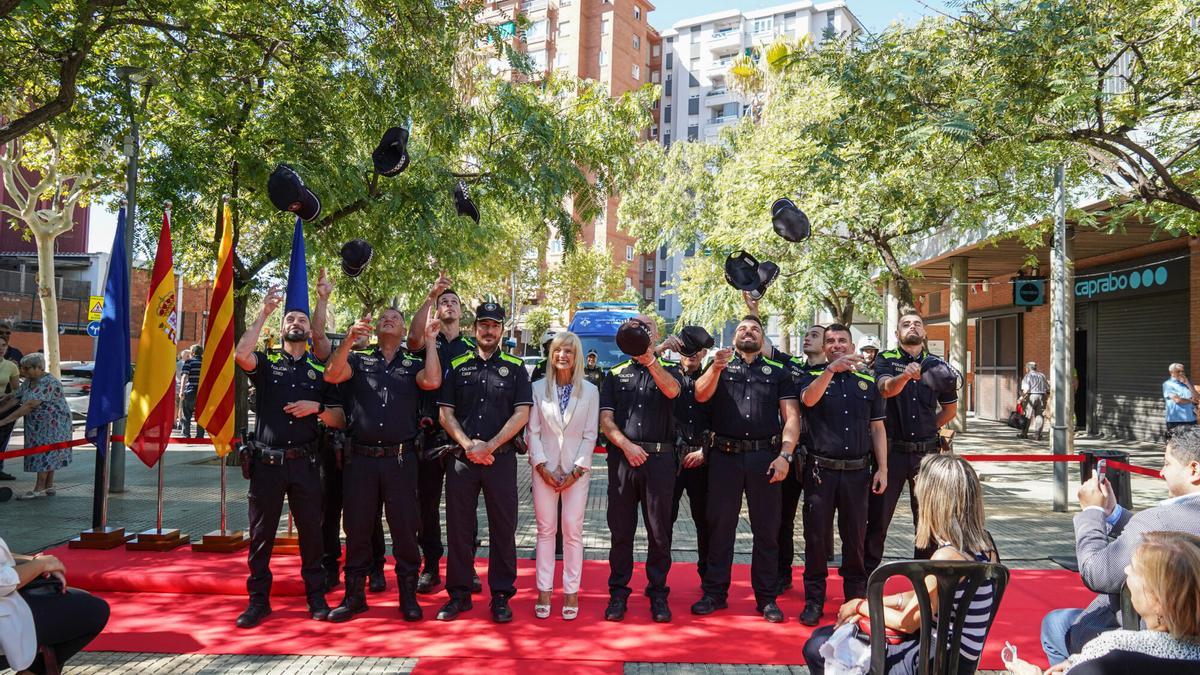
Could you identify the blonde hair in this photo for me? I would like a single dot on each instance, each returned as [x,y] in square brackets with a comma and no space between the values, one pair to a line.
[1170,562]
[951,500]
[564,339]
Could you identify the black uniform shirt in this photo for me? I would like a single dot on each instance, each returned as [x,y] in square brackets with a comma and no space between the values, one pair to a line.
[279,380]
[691,416]
[484,394]
[840,423]
[383,397]
[911,414]
[448,350]
[640,409]
[594,374]
[745,405]
[798,368]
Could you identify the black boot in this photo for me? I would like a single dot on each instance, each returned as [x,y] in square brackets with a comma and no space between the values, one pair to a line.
[377,582]
[354,602]
[409,607]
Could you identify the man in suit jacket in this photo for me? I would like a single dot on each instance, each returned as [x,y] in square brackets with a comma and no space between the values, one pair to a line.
[1106,535]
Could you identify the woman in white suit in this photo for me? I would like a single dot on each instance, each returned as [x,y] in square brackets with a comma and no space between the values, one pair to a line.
[561,437]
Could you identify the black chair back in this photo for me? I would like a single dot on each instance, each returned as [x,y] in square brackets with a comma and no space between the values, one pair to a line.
[1130,619]
[951,575]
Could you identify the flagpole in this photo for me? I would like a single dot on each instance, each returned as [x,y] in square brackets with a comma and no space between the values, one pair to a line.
[158,520]
[102,449]
[223,513]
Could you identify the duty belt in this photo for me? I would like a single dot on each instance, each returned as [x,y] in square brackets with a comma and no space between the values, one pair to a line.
[917,447]
[737,446]
[840,464]
[382,450]
[655,448]
[301,451]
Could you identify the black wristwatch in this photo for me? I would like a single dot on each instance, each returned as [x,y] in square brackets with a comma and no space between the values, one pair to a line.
[320,408]
[787,457]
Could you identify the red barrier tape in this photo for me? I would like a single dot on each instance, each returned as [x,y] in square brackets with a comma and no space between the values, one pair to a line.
[1114,464]
[37,450]
[1023,458]
[179,440]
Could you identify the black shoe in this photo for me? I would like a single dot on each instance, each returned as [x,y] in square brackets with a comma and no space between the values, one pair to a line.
[615,610]
[353,602]
[660,611]
[772,613]
[428,581]
[378,582]
[811,615]
[333,579]
[409,607]
[453,608]
[7,476]
[253,615]
[707,605]
[318,609]
[476,584]
[5,494]
[501,612]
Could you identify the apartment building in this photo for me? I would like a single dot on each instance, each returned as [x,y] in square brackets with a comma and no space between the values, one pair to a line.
[697,101]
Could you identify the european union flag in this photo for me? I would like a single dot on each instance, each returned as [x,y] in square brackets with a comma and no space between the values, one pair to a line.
[107,401]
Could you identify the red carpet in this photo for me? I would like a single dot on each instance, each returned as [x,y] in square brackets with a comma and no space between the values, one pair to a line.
[182,602]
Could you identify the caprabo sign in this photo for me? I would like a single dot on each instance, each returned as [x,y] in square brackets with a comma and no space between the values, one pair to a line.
[1147,278]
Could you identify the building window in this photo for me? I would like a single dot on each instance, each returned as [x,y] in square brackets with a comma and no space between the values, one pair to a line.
[604,57]
[562,60]
[556,245]
[662,251]
[636,71]
[691,250]
[694,105]
[538,59]
[830,19]
[564,28]
[650,264]
[662,305]
[666,114]
[605,25]
[654,76]
[648,293]
[637,13]
[536,31]
[629,253]
[637,42]
[692,81]
[656,50]
[695,29]
[669,62]
[667,140]
[693,132]
[628,282]
[653,131]
[662,276]
[764,25]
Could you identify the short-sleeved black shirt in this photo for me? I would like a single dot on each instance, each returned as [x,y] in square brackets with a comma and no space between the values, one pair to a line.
[840,423]
[691,416]
[911,414]
[640,409]
[745,405]
[279,380]
[383,398]
[448,350]
[485,393]
[798,368]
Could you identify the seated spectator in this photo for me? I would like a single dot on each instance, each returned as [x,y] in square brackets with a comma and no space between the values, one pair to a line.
[1164,586]
[951,500]
[37,609]
[1103,560]
[47,420]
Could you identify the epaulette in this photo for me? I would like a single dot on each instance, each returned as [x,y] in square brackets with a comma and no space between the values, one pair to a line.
[461,359]
[511,359]
[868,378]
[619,367]
[316,365]
[773,363]
[891,354]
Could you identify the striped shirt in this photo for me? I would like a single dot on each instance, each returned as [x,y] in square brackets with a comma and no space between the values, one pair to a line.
[1035,383]
[191,371]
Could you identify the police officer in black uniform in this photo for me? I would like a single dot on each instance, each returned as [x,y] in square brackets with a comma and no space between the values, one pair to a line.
[844,411]
[913,420]
[636,406]
[592,372]
[798,368]
[483,405]
[383,388]
[691,432]
[291,398]
[755,425]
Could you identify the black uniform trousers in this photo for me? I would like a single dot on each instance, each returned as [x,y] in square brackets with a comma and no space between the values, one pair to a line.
[694,482]
[902,469]
[464,481]
[791,489]
[651,487]
[729,476]
[368,482]
[824,491]
[300,481]
[431,478]
[331,524]
[64,622]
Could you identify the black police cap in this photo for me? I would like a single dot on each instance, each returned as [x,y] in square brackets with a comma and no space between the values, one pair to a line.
[489,311]
[356,253]
[789,221]
[463,203]
[741,271]
[767,272]
[633,338]
[391,155]
[692,339]
[288,193]
[939,376]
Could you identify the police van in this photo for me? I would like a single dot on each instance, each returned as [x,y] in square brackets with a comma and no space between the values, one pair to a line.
[596,325]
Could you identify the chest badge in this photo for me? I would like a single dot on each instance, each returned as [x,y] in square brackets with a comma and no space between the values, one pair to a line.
[407,362]
[862,385]
[503,370]
[766,370]
[312,375]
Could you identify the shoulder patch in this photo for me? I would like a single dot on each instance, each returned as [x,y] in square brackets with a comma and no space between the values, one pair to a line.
[316,365]
[274,357]
[815,372]
[511,359]
[620,366]
[773,363]
[868,378]
[667,363]
[891,354]
[365,352]
[461,359]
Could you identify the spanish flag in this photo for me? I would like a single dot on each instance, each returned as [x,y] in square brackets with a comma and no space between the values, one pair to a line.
[152,403]
[214,398]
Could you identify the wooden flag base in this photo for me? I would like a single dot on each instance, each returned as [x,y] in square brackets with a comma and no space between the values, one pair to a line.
[218,541]
[287,544]
[100,538]
[158,540]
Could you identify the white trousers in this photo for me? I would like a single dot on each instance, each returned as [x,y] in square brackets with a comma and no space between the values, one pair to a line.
[545,510]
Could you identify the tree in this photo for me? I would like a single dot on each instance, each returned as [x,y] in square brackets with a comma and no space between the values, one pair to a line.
[586,274]
[537,321]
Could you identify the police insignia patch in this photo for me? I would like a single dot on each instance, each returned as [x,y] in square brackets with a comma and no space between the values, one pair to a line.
[766,370]
[407,362]
[503,370]
[312,375]
[862,385]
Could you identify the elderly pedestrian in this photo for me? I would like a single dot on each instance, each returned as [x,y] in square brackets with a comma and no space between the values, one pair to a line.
[1180,399]
[1034,392]
[47,420]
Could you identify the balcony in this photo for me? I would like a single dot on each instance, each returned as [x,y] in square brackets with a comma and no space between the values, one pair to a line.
[718,67]
[718,97]
[528,6]
[716,120]
[725,39]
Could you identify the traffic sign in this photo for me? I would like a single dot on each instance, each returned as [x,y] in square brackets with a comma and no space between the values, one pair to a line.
[95,307]
[93,328]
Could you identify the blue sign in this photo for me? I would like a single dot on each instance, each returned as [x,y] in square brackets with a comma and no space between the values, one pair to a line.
[93,328]
[1166,275]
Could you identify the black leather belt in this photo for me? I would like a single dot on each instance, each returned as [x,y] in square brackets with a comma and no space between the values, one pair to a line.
[655,448]
[914,447]
[688,449]
[855,464]
[382,450]
[737,446]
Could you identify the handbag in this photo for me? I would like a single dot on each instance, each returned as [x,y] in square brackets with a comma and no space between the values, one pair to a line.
[45,585]
[892,637]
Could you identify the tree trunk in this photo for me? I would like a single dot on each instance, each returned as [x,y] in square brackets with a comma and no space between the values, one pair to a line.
[48,297]
[903,288]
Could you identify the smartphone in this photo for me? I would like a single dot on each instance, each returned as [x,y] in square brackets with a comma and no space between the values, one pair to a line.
[1101,468]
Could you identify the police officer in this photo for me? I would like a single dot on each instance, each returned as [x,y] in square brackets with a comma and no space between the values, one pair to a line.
[592,372]
[291,398]
[691,431]
[543,364]
[383,388]
[814,358]
[844,411]
[755,424]
[483,405]
[913,420]
[636,417]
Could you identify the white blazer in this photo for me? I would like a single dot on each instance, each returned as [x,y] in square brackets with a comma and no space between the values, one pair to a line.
[563,440]
[18,635]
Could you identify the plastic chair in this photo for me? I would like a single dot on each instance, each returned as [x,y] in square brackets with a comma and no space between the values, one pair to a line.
[950,574]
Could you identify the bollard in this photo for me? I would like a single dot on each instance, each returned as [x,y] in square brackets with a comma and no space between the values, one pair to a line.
[1119,480]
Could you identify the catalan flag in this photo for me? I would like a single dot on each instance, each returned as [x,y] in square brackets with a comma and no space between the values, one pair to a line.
[214,399]
[152,402]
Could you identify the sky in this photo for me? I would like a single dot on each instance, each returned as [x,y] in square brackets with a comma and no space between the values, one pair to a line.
[874,14]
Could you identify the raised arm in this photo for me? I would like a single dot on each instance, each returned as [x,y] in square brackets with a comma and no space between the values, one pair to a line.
[244,356]
[430,377]
[426,312]
[320,339]
[338,369]
[706,386]
[665,381]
